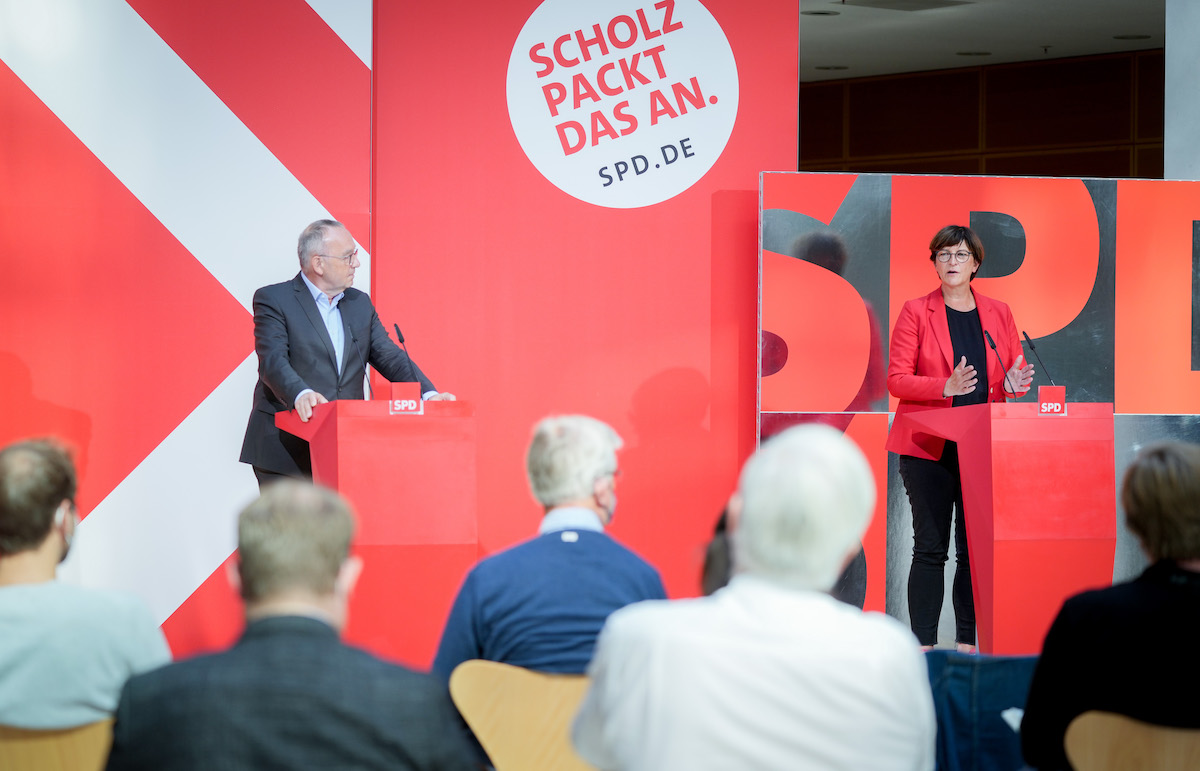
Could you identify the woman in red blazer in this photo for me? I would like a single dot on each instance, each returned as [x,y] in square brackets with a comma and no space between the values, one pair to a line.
[938,350]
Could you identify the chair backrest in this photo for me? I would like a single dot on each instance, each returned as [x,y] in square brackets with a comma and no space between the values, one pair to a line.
[83,748]
[1104,741]
[521,717]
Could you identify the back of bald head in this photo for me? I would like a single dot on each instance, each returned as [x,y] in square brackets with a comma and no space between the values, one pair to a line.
[36,476]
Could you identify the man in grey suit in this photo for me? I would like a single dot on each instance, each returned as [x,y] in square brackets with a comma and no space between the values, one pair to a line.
[314,336]
[289,694]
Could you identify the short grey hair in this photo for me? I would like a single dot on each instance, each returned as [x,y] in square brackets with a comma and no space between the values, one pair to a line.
[295,536]
[312,239]
[807,497]
[566,456]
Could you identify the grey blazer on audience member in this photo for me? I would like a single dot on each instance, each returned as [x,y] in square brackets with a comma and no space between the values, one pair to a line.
[289,695]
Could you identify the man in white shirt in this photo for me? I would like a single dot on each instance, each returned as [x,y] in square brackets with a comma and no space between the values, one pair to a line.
[65,651]
[770,672]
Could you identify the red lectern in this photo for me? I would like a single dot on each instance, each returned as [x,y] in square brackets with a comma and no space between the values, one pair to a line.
[1039,493]
[411,478]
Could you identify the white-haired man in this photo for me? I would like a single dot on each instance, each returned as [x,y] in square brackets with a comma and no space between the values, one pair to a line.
[540,604]
[769,672]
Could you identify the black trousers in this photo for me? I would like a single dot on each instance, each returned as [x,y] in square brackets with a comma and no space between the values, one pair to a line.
[935,492]
[265,477]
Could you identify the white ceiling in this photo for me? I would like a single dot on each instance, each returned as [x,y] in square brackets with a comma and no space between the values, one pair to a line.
[886,38]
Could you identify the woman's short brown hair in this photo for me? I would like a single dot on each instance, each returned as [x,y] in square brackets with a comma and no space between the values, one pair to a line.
[1161,497]
[953,235]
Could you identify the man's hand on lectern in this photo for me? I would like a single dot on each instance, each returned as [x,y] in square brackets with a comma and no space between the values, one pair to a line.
[305,403]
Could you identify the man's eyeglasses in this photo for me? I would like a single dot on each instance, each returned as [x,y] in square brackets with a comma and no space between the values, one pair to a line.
[958,256]
[349,258]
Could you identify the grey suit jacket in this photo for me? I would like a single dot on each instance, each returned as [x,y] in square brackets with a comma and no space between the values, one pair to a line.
[295,353]
[288,695]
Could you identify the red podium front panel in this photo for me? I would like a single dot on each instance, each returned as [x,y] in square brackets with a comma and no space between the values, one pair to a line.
[1039,493]
[411,478]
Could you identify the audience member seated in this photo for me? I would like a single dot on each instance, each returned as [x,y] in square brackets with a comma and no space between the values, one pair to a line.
[65,651]
[718,564]
[540,604]
[769,672]
[850,587]
[1128,648]
[289,694]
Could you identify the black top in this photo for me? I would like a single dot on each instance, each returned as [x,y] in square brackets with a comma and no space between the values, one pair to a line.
[1125,649]
[966,337]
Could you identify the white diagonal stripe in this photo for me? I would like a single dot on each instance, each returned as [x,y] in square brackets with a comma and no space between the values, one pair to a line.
[164,134]
[351,20]
[166,527]
[196,167]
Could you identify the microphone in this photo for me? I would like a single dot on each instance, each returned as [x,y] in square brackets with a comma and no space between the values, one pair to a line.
[407,355]
[1035,354]
[363,359]
[992,343]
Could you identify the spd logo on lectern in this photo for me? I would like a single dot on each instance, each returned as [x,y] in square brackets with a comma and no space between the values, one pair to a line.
[406,407]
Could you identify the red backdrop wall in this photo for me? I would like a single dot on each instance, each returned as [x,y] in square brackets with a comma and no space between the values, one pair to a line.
[530,302]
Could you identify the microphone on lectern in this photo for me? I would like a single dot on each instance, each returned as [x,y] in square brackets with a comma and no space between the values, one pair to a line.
[992,343]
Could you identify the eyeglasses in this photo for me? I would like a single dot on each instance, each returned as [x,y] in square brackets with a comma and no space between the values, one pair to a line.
[349,258]
[958,256]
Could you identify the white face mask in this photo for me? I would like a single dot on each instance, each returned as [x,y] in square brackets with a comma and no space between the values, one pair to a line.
[600,489]
[611,509]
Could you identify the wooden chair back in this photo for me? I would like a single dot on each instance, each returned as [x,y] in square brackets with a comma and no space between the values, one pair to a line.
[521,717]
[1104,741]
[83,748]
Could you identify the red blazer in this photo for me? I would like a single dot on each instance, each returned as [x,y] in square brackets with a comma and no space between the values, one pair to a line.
[922,358]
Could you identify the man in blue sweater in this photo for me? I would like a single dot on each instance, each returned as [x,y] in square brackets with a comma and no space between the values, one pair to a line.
[541,604]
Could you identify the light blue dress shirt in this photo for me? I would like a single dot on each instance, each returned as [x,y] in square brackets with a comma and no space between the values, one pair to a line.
[328,308]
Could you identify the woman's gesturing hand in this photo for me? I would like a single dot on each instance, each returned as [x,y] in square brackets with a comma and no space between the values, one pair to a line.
[1020,376]
[961,381]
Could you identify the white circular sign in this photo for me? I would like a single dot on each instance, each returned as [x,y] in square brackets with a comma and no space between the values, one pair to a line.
[622,103]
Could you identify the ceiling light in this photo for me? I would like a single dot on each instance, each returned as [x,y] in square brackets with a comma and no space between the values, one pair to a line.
[973,53]
[830,67]
[820,13]
[1131,37]
[906,5]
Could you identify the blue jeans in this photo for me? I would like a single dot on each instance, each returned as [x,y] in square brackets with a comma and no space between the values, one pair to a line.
[969,695]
